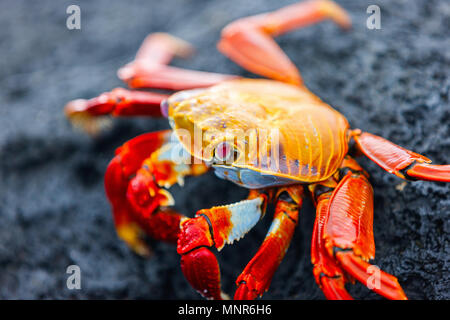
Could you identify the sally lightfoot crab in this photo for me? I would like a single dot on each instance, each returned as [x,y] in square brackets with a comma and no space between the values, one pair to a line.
[273,137]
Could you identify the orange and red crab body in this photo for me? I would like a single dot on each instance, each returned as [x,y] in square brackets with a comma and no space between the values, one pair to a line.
[274,137]
[312,136]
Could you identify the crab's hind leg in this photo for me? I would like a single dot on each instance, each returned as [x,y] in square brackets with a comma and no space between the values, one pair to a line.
[133,182]
[399,161]
[248,41]
[150,68]
[255,279]
[215,227]
[343,237]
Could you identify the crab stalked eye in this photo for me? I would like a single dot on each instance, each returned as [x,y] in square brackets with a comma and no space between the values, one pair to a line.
[225,152]
[165,108]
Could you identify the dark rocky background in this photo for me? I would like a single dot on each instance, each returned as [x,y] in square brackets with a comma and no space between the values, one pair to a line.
[53,212]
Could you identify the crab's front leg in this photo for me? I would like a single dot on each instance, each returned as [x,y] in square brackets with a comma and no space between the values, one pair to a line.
[218,226]
[215,227]
[249,42]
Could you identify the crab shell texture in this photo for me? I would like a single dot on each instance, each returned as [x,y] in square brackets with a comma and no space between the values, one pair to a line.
[277,129]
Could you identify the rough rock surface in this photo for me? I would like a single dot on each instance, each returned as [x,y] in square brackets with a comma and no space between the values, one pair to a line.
[53,213]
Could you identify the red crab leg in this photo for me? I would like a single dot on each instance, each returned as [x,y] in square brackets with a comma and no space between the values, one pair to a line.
[327,273]
[88,114]
[343,241]
[249,42]
[257,275]
[399,161]
[137,200]
[150,70]
[215,227]
[171,78]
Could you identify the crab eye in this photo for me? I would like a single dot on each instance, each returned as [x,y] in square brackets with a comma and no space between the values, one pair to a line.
[164,108]
[225,152]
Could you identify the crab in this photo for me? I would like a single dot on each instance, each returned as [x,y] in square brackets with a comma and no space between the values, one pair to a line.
[274,137]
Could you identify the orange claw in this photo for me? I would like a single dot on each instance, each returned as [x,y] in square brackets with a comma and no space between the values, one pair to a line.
[248,41]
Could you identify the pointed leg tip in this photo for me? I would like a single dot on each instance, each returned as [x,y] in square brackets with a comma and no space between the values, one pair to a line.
[391,293]
[224,296]
[74,106]
[402,295]
[131,234]
[244,293]
[84,122]
[334,289]
[142,251]
[336,13]
[430,172]
[374,278]
[179,46]
[127,72]
[390,287]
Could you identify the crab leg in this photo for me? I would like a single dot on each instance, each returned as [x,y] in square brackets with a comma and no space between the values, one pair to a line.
[343,240]
[172,78]
[328,275]
[89,114]
[257,275]
[399,161]
[248,41]
[215,227]
[132,184]
[150,70]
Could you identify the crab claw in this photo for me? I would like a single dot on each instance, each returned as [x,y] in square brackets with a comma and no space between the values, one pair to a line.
[198,263]
[145,196]
[201,269]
